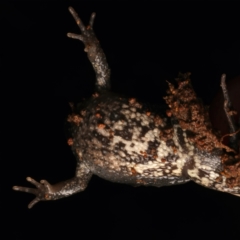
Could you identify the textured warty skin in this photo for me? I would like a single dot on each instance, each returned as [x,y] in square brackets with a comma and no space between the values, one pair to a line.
[123,140]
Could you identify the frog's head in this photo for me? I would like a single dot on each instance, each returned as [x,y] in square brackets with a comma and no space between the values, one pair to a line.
[218,170]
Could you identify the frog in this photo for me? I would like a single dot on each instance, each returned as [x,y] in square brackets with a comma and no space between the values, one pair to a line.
[124,140]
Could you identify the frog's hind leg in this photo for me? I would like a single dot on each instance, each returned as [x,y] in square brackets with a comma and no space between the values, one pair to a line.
[94,51]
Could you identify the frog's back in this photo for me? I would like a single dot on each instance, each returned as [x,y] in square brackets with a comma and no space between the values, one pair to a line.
[122,140]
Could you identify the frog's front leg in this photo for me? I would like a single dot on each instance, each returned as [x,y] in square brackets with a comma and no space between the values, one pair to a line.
[44,191]
[94,51]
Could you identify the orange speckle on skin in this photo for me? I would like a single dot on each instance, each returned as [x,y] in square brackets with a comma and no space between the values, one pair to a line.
[75,118]
[134,172]
[169,113]
[70,141]
[47,197]
[132,100]
[101,126]
[148,113]
[111,133]
[143,153]
[163,160]
[174,149]
[98,115]
[95,95]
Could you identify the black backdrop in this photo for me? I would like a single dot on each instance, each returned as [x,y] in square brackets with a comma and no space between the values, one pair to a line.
[42,70]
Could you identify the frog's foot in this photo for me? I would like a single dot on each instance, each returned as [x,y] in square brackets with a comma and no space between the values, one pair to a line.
[94,51]
[43,191]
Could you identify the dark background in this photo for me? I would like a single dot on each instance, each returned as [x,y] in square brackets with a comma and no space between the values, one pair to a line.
[42,70]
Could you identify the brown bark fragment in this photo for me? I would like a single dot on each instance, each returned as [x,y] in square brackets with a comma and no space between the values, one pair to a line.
[193,117]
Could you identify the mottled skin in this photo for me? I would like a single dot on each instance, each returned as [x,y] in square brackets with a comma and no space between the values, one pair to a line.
[122,140]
